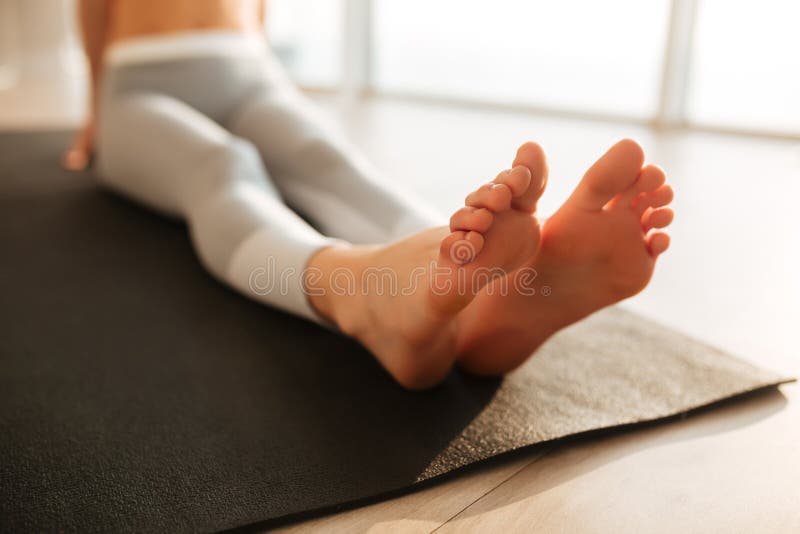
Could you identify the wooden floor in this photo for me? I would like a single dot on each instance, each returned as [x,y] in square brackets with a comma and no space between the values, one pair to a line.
[731,278]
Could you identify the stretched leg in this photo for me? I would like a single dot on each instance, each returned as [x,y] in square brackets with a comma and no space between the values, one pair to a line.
[322,175]
[165,154]
[162,152]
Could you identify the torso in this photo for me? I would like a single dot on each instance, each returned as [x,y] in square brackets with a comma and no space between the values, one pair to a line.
[136,18]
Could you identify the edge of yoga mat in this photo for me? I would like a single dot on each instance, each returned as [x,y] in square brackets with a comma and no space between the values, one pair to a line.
[500,458]
[247,363]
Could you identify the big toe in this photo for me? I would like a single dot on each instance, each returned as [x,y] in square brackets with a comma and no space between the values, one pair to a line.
[614,172]
[531,155]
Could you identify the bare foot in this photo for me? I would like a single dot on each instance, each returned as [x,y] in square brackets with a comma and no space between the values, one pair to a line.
[400,301]
[597,249]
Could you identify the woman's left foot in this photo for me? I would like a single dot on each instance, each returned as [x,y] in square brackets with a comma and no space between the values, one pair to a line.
[597,249]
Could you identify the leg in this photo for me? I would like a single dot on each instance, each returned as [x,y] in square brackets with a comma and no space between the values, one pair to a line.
[320,174]
[197,170]
[167,155]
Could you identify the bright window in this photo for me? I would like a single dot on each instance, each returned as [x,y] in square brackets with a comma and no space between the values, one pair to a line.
[746,65]
[579,55]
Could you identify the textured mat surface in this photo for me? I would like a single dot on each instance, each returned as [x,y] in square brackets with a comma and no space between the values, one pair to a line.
[138,394]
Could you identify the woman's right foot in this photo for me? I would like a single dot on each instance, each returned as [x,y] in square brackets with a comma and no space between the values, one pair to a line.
[597,249]
[401,300]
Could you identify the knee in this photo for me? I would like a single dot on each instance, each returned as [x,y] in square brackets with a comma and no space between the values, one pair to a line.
[233,159]
[223,166]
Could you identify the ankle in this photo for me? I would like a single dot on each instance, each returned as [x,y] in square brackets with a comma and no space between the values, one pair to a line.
[321,284]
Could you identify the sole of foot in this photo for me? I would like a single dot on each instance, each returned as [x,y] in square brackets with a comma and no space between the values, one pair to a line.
[600,247]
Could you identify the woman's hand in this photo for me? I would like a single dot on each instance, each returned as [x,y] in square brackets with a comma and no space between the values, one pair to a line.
[93,16]
[79,155]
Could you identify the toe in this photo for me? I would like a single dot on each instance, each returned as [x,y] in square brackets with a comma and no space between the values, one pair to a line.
[657,218]
[461,247]
[657,243]
[494,197]
[469,218]
[613,173]
[517,179]
[654,199]
[531,155]
[650,178]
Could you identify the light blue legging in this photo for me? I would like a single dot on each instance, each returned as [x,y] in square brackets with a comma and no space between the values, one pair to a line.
[229,145]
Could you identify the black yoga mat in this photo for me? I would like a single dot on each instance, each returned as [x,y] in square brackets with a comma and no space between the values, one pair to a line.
[138,394]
